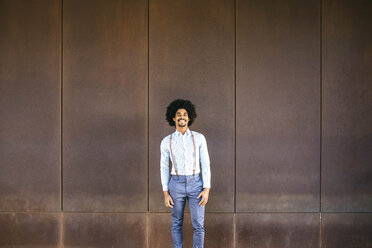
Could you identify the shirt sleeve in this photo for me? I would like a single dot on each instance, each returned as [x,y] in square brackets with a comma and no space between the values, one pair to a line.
[205,163]
[164,165]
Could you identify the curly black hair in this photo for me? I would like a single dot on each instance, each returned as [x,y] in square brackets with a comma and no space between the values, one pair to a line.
[180,104]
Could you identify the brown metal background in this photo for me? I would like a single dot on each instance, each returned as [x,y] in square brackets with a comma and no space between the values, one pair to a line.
[277,106]
[277,230]
[347,107]
[104,106]
[283,94]
[30,122]
[30,229]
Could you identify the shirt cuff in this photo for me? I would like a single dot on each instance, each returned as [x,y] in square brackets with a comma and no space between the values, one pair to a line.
[165,188]
[206,185]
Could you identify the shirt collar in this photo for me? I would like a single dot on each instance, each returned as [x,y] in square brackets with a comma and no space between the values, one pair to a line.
[178,133]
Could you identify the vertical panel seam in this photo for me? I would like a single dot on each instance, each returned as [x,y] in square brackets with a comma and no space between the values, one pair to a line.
[321,107]
[61,107]
[147,229]
[320,230]
[321,119]
[148,105]
[61,245]
[235,1]
[234,230]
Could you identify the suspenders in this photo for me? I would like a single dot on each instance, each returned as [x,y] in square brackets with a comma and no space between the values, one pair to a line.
[175,168]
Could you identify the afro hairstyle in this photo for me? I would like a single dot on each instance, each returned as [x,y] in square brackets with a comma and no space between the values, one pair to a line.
[180,104]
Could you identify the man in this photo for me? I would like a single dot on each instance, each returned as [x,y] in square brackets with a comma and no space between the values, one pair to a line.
[185,148]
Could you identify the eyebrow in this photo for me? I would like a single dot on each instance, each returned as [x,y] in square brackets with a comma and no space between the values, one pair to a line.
[180,113]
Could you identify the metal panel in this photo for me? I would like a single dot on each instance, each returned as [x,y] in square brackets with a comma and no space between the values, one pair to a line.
[219,230]
[104,105]
[277,106]
[346,230]
[30,105]
[104,230]
[347,106]
[277,230]
[40,230]
[159,226]
[192,57]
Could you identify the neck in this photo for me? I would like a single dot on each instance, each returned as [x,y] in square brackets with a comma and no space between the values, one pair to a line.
[182,129]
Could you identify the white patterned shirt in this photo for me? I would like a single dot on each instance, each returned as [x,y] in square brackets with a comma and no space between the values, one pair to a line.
[183,153]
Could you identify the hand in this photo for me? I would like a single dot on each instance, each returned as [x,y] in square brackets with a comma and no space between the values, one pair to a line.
[204,194]
[168,200]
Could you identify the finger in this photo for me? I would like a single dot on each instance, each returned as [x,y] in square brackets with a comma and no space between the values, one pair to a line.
[171,201]
[201,202]
[170,205]
[199,196]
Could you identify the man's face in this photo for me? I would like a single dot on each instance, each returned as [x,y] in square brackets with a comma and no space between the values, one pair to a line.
[181,119]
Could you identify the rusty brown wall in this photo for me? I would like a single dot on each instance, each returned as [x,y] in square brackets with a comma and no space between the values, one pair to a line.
[283,91]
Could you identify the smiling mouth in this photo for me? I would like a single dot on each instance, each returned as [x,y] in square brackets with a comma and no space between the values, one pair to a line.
[181,122]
